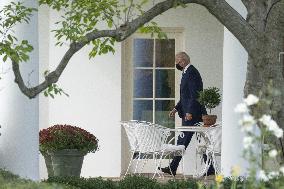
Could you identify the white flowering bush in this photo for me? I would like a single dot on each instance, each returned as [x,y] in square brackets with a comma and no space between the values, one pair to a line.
[258,148]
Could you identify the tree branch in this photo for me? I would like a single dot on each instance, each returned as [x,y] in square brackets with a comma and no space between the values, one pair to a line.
[53,77]
[229,17]
[273,3]
[234,22]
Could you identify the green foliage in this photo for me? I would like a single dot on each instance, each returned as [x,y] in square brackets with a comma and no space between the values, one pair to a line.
[81,17]
[32,185]
[102,46]
[10,46]
[154,30]
[188,184]
[239,182]
[276,183]
[8,176]
[11,181]
[129,182]
[210,97]
[136,182]
[83,183]
[53,90]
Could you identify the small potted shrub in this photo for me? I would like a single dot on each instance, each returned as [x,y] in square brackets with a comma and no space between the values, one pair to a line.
[210,98]
[64,148]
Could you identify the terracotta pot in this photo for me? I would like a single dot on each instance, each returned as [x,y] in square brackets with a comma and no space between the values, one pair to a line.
[209,120]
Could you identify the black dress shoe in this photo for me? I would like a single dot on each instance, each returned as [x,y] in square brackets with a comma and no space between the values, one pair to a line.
[168,171]
[209,173]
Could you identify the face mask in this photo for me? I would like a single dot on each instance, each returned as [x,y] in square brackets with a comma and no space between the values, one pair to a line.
[179,67]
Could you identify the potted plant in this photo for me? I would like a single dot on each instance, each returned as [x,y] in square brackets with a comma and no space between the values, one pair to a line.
[210,98]
[64,148]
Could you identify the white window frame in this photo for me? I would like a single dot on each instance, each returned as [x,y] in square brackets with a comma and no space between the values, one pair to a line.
[128,68]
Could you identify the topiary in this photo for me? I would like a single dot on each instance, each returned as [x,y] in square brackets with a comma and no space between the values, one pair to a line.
[210,98]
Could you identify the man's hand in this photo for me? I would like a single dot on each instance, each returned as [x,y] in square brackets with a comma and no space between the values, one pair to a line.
[172,113]
[188,117]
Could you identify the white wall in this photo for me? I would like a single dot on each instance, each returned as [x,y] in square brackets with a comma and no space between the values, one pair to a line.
[18,114]
[43,38]
[94,85]
[94,103]
[234,73]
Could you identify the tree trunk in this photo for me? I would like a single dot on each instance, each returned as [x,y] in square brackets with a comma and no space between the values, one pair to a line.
[264,65]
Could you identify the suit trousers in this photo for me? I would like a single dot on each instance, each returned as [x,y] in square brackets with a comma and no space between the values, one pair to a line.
[181,141]
[185,140]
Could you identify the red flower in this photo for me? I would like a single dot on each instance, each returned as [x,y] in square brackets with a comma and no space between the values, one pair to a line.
[60,137]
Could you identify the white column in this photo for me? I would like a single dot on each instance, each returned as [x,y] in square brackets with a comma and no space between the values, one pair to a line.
[234,74]
[18,114]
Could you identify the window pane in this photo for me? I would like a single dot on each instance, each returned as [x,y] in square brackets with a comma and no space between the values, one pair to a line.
[143,52]
[165,83]
[143,84]
[162,109]
[143,110]
[165,52]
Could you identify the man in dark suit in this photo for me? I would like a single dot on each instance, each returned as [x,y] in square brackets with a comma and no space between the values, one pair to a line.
[188,108]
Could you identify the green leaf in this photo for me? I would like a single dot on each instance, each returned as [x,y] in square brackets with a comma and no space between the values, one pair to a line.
[50,88]
[52,96]
[5,58]
[109,23]
[10,38]
[45,73]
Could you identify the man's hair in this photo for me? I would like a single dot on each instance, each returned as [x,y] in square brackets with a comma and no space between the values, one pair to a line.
[184,56]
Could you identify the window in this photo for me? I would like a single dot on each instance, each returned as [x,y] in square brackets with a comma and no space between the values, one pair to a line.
[153,80]
[149,80]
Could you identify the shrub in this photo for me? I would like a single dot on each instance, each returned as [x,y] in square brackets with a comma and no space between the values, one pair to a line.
[210,98]
[228,182]
[33,185]
[59,137]
[83,183]
[8,176]
[137,182]
[9,180]
[183,184]
[129,182]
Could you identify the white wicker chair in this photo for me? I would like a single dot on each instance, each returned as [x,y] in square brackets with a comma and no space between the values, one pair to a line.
[214,135]
[146,140]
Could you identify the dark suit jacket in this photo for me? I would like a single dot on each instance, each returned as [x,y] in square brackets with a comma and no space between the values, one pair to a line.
[191,84]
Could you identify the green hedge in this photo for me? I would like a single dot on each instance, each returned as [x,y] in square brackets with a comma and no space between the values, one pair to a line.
[90,183]
[136,182]
[129,182]
[11,181]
